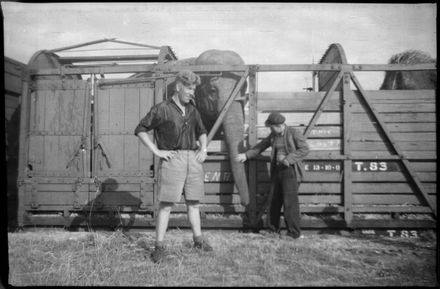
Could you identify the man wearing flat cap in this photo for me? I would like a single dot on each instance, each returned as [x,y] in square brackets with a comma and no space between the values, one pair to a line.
[289,147]
[177,127]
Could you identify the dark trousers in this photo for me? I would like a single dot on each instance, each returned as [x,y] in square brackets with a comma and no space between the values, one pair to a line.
[285,193]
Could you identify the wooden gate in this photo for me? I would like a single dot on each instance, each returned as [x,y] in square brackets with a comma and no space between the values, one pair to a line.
[57,145]
[122,165]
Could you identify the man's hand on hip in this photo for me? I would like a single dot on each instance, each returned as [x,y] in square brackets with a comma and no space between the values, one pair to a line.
[167,155]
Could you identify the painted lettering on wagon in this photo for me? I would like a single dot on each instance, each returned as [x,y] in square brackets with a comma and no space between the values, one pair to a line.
[357,166]
[322,166]
[218,176]
[369,166]
[391,233]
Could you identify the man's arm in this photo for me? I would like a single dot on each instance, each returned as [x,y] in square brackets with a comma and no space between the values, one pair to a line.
[256,150]
[146,139]
[202,153]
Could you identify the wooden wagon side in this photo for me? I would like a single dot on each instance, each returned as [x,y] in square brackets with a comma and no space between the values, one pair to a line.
[373,153]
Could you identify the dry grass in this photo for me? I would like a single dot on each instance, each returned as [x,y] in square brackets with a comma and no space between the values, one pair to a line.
[59,258]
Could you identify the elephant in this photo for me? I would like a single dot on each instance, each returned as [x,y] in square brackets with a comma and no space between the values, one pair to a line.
[210,97]
[426,79]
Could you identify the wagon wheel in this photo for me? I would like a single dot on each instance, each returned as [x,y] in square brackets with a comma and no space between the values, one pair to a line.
[334,55]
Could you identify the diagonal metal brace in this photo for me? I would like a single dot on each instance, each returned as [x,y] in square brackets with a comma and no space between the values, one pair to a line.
[228,103]
[394,144]
[103,153]
[321,106]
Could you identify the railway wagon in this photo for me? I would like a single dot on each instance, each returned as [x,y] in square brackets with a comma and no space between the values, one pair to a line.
[372,161]
[14,71]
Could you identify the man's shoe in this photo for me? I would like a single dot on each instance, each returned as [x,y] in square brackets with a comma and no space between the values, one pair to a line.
[158,254]
[202,244]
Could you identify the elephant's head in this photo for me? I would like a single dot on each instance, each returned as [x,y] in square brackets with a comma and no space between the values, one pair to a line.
[211,96]
[410,79]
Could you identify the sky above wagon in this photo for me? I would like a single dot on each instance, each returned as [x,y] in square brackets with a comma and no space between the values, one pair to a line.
[262,33]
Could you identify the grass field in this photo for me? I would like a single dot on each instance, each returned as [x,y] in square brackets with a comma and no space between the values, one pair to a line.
[60,258]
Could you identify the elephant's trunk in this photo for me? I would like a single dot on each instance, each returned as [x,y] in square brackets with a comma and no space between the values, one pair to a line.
[233,126]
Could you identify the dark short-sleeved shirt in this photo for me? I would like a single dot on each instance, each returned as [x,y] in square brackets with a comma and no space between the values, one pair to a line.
[173,131]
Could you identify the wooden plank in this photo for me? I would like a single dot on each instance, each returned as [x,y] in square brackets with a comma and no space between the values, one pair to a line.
[56,198]
[297,119]
[216,166]
[131,119]
[316,132]
[219,199]
[144,222]
[378,155]
[112,198]
[313,199]
[391,208]
[270,100]
[212,208]
[403,136]
[390,188]
[296,101]
[357,188]
[405,146]
[334,118]
[220,188]
[391,177]
[59,84]
[389,199]
[397,117]
[398,107]
[381,96]
[360,127]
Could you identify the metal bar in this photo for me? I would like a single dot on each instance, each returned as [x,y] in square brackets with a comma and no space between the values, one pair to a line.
[71,59]
[132,43]
[81,45]
[394,144]
[345,67]
[322,105]
[96,131]
[347,188]
[231,98]
[236,68]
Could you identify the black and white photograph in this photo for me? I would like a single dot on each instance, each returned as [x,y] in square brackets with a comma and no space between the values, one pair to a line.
[220,144]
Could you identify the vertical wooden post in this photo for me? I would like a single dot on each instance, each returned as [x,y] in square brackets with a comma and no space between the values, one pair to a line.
[252,140]
[347,187]
[159,91]
[25,107]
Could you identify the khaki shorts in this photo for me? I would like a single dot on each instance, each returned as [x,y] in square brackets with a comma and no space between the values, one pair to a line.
[182,174]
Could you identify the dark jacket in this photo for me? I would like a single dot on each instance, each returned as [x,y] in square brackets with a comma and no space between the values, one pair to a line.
[295,145]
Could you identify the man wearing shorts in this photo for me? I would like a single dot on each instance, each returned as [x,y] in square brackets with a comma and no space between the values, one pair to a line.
[177,127]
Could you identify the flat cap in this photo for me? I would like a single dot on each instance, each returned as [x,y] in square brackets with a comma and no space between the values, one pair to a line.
[188,77]
[275,118]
